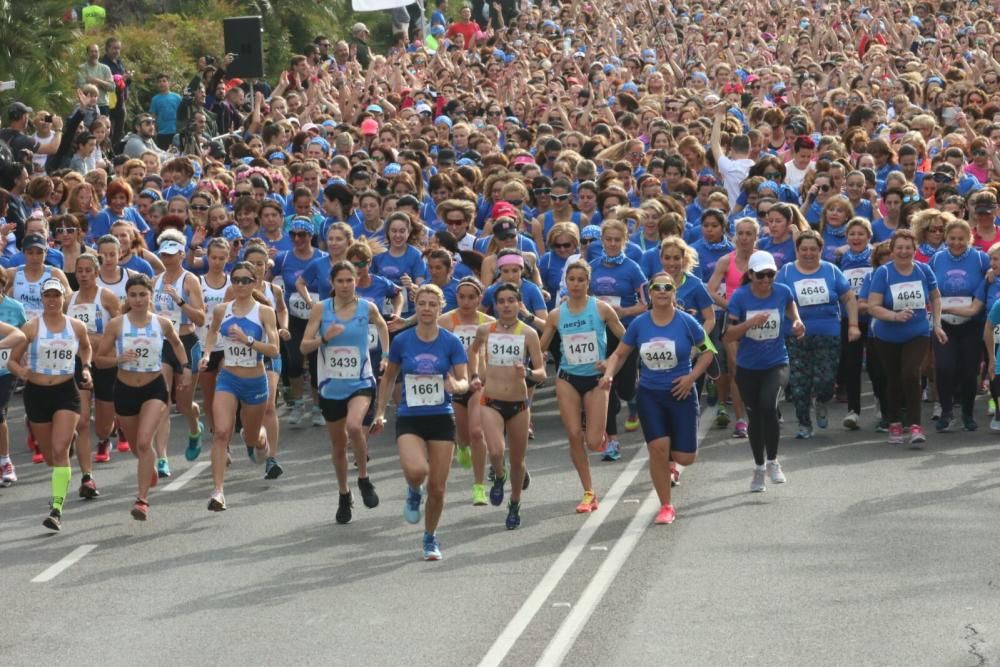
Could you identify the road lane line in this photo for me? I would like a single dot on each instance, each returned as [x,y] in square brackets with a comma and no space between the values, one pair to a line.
[74,557]
[583,609]
[188,475]
[505,642]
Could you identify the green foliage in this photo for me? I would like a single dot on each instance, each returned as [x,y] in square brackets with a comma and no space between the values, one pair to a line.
[34,48]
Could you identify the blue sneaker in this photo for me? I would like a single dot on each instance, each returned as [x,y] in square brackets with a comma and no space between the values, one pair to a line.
[432,549]
[496,491]
[513,515]
[821,419]
[612,451]
[162,468]
[193,450]
[411,506]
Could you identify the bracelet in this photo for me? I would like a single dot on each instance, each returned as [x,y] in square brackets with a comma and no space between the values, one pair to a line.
[182,303]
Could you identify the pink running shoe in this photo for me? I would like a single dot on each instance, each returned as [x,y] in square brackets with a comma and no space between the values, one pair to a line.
[895,434]
[917,434]
[666,515]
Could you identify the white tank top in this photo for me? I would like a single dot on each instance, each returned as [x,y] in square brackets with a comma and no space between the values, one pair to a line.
[118,287]
[146,342]
[213,297]
[94,315]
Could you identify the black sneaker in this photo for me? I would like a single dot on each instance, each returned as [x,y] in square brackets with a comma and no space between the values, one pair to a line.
[368,495]
[527,480]
[272,469]
[53,521]
[344,508]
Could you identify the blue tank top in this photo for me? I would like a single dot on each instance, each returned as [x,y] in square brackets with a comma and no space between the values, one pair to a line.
[54,352]
[584,339]
[29,292]
[237,354]
[344,362]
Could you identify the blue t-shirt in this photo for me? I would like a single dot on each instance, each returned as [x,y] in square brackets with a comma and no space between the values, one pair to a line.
[550,266]
[344,360]
[817,296]
[865,210]
[901,292]
[102,222]
[289,266]
[317,277]
[664,351]
[650,262]
[692,295]
[880,232]
[709,255]
[531,296]
[992,293]
[53,258]
[12,313]
[283,244]
[783,252]
[139,265]
[164,106]
[994,322]
[833,238]
[595,250]
[961,279]
[422,367]
[411,262]
[761,347]
[617,284]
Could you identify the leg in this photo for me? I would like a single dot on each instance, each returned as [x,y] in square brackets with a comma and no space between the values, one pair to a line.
[659,468]
[163,432]
[224,414]
[946,371]
[970,352]
[271,414]
[569,412]
[439,465]
[83,445]
[748,381]
[774,380]
[338,452]
[911,353]
[477,439]
[207,381]
[357,433]
[891,356]
[493,431]
[413,459]
[851,360]
[800,360]
[517,435]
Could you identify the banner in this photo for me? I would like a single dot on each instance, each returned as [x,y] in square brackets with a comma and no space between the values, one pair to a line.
[378,5]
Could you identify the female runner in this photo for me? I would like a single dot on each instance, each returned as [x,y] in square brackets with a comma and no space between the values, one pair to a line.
[133,342]
[215,285]
[12,314]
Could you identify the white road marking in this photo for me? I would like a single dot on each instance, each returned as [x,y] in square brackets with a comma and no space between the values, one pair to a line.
[515,628]
[188,475]
[74,557]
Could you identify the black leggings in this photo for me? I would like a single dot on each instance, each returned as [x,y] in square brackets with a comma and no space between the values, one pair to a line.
[876,373]
[852,358]
[956,366]
[759,390]
[623,388]
[902,363]
[292,361]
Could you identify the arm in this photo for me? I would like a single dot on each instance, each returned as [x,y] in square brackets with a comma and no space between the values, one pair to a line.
[708,315]
[718,274]
[213,331]
[14,364]
[851,305]
[311,339]
[383,330]
[194,307]
[716,139]
[682,385]
[105,355]
[550,329]
[475,359]
[537,371]
[936,316]
[615,362]
[611,319]
[389,377]
[269,346]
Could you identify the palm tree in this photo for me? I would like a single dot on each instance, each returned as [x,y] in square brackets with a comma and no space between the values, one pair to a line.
[35,46]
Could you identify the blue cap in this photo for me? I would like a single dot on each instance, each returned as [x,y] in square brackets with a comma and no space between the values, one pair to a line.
[247,160]
[698,16]
[915,20]
[590,232]
[509,58]
[612,101]
[197,169]
[374,108]
[231,233]
[630,87]
[301,224]
[769,185]
[609,68]
[465,162]
[549,23]
[443,120]
[649,54]
[392,169]
[329,123]
[700,75]
[151,194]
[276,155]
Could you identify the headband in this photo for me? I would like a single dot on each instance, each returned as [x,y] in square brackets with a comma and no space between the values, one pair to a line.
[510,260]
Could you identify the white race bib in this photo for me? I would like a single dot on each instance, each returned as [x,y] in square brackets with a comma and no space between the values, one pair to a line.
[505,349]
[580,348]
[147,353]
[387,306]
[811,292]
[908,295]
[372,336]
[659,355]
[298,307]
[770,330]
[855,277]
[467,334]
[4,357]
[955,302]
[238,355]
[341,363]
[56,356]
[86,313]
[424,390]
[611,300]
[996,336]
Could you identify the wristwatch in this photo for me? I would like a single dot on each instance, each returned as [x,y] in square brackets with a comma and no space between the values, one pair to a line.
[250,342]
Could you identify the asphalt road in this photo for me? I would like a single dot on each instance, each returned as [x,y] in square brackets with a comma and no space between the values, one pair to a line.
[870,554]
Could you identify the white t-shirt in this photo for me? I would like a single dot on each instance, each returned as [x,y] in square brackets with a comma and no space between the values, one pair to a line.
[733,173]
[40,159]
[794,176]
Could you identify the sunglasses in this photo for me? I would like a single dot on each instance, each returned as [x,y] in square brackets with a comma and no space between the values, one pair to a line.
[562,246]
[495,114]
[840,103]
[772,175]
[360,265]
[516,202]
[242,281]
[909,199]
[542,191]
[636,155]
[586,241]
[765,275]
[199,207]
[979,153]
[563,197]
[942,178]
[455,221]
[66,230]
[824,188]
[938,230]
[661,287]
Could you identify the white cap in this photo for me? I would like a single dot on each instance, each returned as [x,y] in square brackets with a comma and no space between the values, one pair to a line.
[53,284]
[170,248]
[761,260]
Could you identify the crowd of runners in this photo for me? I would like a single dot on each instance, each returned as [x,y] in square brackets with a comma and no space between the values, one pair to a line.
[663,209]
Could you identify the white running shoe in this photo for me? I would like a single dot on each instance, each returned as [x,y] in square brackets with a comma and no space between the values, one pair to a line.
[774,472]
[295,416]
[7,473]
[317,417]
[995,424]
[757,483]
[851,421]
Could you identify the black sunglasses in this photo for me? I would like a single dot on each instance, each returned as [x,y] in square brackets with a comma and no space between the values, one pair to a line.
[242,281]
[199,207]
[562,246]
[765,275]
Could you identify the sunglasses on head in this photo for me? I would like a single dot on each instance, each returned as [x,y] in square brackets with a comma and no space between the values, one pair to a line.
[765,275]
[661,287]
[243,280]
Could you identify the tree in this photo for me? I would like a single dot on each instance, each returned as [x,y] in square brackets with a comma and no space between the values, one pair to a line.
[35,51]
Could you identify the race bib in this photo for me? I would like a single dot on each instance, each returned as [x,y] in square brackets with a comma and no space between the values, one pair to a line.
[996,336]
[955,302]
[659,355]
[372,336]
[147,353]
[56,356]
[467,334]
[387,306]
[856,277]
[580,348]
[611,300]
[4,358]
[811,292]
[298,307]
[424,390]
[908,295]
[341,363]
[238,355]
[769,330]
[86,313]
[505,349]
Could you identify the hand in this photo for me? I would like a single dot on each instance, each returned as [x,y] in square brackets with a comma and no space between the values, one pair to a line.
[203,364]
[903,315]
[853,332]
[382,365]
[284,334]
[87,382]
[396,324]
[126,357]
[185,379]
[941,336]
[449,383]
[758,320]
[171,292]
[377,425]
[406,280]
[476,384]
[237,333]
[333,331]
[605,382]
[682,386]
[798,329]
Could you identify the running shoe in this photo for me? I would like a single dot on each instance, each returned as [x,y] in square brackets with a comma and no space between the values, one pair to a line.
[804,433]
[272,469]
[936,411]
[344,507]
[632,420]
[123,446]
[432,549]
[882,426]
[296,415]
[613,451]
[193,450]
[675,474]
[757,484]
[317,417]
[479,495]
[53,521]
[496,491]
[945,423]
[527,480]
[992,408]
[283,410]
[36,452]
[411,506]
[588,504]
[103,454]
[721,417]
[140,510]
[666,515]
[852,421]
[513,515]
[531,430]
[463,454]
[774,472]
[821,419]
[969,424]
[8,475]
[711,393]
[917,434]
[368,495]
[252,454]
[741,429]
[163,467]
[895,434]
[217,502]
[88,489]
[995,424]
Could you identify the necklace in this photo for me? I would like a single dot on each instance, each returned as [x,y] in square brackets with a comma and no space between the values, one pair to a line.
[505,325]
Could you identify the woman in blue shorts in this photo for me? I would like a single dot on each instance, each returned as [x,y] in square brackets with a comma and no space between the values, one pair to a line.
[666,338]
[250,333]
